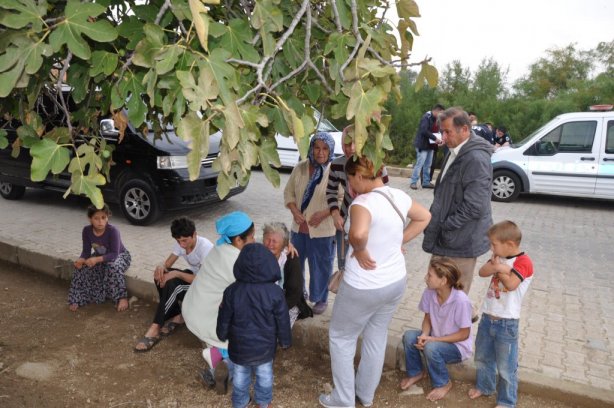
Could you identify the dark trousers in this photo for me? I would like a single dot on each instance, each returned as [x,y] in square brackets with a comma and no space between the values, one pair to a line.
[171,296]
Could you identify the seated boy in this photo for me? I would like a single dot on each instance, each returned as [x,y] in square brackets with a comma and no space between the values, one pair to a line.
[172,284]
[496,345]
[254,317]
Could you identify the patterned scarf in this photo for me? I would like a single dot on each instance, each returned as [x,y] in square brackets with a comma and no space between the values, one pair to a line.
[316,177]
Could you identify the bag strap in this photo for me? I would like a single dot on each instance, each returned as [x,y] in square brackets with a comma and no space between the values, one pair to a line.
[403,219]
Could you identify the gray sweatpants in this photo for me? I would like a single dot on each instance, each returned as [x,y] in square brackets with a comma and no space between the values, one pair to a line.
[356,312]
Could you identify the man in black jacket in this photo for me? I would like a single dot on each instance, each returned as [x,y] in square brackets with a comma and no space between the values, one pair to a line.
[424,142]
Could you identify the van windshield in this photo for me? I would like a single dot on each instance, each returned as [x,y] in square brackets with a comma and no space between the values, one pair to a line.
[528,138]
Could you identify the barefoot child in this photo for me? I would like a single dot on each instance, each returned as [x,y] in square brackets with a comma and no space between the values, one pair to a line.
[254,318]
[496,344]
[100,270]
[445,336]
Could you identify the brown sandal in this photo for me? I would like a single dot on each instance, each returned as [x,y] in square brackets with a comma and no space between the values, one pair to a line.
[148,342]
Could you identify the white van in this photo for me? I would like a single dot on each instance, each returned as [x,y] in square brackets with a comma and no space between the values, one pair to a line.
[572,155]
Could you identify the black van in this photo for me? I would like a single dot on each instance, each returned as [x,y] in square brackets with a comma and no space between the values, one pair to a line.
[149,174]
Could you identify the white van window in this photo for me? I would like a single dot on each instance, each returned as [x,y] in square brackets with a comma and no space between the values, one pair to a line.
[571,137]
[609,141]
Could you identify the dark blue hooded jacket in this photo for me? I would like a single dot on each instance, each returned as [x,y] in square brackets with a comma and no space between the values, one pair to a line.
[253,315]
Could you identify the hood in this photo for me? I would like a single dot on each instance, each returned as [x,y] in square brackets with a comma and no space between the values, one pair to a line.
[477,143]
[256,264]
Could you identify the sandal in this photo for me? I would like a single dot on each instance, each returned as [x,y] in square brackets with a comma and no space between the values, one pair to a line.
[148,342]
[168,328]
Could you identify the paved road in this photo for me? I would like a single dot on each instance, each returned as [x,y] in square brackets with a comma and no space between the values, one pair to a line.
[567,323]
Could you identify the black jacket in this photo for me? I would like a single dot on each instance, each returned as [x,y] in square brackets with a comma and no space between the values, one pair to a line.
[424,134]
[293,286]
[461,211]
[253,315]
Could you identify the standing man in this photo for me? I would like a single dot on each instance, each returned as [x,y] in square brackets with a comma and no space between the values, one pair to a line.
[461,211]
[424,143]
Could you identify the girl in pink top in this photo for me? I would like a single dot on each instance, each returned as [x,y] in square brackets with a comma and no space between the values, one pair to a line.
[445,337]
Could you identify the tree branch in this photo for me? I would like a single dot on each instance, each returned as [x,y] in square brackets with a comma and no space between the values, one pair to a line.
[359,40]
[333,4]
[59,84]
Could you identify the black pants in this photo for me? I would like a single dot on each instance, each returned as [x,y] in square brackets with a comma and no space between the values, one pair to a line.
[170,297]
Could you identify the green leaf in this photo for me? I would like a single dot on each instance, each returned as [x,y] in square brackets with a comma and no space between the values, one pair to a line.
[363,106]
[22,13]
[224,76]
[236,39]
[375,68]
[131,28]
[198,94]
[103,62]
[25,56]
[167,58]
[149,46]
[88,185]
[407,8]
[200,19]
[4,142]
[86,160]
[431,74]
[267,18]
[79,78]
[195,132]
[76,24]
[48,156]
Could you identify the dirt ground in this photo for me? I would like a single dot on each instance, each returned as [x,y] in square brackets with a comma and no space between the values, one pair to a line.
[51,357]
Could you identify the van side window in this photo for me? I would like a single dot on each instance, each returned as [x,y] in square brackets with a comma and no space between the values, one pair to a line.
[572,137]
[609,139]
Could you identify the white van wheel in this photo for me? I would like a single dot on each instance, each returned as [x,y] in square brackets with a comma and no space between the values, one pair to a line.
[505,186]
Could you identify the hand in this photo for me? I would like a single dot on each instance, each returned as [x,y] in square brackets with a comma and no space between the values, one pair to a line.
[166,277]
[158,273]
[338,220]
[364,259]
[79,263]
[91,261]
[318,217]
[292,252]
[422,340]
[299,218]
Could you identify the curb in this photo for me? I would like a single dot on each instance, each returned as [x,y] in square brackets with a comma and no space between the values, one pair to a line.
[310,333]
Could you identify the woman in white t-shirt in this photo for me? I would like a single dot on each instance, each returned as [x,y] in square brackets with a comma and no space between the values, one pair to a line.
[173,283]
[373,283]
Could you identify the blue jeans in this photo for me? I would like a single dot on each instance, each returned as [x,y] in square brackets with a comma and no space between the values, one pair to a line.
[437,355]
[242,379]
[496,351]
[320,253]
[424,158]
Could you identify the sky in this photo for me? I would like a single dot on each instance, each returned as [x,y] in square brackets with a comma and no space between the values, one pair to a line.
[515,33]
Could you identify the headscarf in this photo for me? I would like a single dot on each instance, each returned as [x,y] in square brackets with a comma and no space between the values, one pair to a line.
[231,225]
[316,177]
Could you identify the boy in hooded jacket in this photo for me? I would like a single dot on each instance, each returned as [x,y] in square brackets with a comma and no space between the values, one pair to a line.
[254,317]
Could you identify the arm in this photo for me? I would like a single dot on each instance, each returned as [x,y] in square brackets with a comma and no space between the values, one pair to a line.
[115,244]
[162,269]
[184,276]
[290,198]
[359,236]
[282,321]
[224,317]
[319,216]
[501,271]
[332,194]
[419,218]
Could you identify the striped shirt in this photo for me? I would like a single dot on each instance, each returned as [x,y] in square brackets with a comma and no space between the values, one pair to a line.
[336,178]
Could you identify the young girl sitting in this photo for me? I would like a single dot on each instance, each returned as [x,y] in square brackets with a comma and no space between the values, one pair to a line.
[445,336]
[100,270]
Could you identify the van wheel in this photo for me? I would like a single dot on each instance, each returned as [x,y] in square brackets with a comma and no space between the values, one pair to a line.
[11,191]
[505,186]
[138,203]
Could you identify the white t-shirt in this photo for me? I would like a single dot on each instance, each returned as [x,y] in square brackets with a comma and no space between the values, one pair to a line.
[384,242]
[194,258]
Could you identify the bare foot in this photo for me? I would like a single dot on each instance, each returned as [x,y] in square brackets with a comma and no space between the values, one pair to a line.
[122,305]
[409,381]
[438,393]
[153,331]
[474,393]
[73,307]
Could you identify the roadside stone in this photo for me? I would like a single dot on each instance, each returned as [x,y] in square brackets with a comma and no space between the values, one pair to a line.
[36,371]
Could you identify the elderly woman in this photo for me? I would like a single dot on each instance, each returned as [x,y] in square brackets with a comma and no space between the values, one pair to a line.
[313,230]
[373,283]
[276,238]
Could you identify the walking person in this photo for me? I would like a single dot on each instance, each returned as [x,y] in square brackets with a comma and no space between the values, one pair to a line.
[373,283]
[461,211]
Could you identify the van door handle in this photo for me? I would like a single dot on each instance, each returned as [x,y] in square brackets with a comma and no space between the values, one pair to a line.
[587,158]
[606,159]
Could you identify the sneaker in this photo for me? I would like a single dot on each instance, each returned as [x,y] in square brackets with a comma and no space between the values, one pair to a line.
[364,404]
[221,378]
[319,307]
[413,186]
[212,356]
[429,185]
[205,377]
[326,400]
